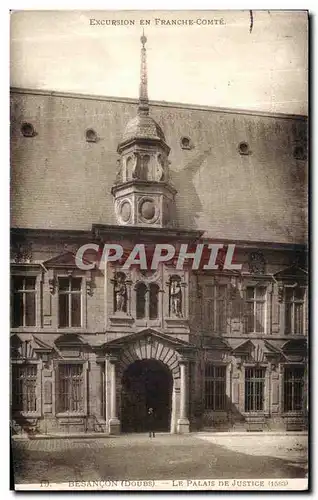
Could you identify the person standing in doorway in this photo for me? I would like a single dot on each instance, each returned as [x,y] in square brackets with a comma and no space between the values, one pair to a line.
[151,422]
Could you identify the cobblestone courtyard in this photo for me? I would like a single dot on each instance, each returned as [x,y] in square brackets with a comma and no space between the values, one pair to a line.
[165,457]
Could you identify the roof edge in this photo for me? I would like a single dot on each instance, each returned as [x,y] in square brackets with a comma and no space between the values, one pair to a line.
[74,95]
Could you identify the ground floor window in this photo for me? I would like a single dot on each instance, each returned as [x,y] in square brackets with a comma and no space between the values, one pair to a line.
[215,387]
[293,388]
[254,389]
[70,388]
[24,377]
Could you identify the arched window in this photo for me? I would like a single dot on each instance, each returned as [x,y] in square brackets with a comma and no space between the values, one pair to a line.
[147,299]
[153,301]
[141,291]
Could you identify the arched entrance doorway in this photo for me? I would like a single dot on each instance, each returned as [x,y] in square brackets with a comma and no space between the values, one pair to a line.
[146,383]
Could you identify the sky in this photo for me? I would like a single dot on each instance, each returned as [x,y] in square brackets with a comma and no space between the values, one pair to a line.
[222,65]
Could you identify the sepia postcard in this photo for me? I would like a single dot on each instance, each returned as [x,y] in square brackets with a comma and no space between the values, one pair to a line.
[159,250]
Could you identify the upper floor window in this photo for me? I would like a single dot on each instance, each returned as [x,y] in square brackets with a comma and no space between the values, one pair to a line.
[153,300]
[294,310]
[254,389]
[293,388]
[147,301]
[24,387]
[24,301]
[70,302]
[215,387]
[216,307]
[255,308]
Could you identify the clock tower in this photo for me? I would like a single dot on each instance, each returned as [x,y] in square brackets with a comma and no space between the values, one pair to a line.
[143,193]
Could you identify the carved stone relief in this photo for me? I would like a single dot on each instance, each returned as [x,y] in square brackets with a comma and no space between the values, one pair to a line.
[256,263]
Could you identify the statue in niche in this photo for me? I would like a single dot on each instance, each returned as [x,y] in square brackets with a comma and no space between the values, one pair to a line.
[175,296]
[120,292]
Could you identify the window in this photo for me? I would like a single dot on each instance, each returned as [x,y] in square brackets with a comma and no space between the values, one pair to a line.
[244,148]
[216,308]
[215,387]
[24,387]
[70,302]
[294,310]
[293,388]
[299,153]
[254,389]
[255,309]
[27,130]
[141,291]
[24,300]
[185,143]
[153,301]
[147,301]
[70,388]
[91,135]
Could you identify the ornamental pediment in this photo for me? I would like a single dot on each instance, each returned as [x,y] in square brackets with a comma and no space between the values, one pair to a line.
[64,260]
[292,273]
[27,347]
[148,336]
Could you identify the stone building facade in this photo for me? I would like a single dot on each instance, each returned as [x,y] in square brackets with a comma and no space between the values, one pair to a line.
[218,349]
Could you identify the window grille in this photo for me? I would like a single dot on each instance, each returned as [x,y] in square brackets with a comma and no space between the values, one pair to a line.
[293,388]
[70,302]
[215,387]
[24,387]
[254,389]
[255,309]
[24,303]
[216,306]
[294,310]
[71,388]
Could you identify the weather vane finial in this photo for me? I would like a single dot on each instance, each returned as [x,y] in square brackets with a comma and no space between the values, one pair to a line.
[143,39]
[143,107]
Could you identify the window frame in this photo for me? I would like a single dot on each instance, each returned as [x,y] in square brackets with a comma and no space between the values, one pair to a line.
[38,388]
[215,301]
[265,302]
[146,319]
[55,405]
[282,388]
[28,273]
[293,302]
[213,379]
[265,409]
[83,302]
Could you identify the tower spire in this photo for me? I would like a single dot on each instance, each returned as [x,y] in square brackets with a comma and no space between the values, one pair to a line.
[143,107]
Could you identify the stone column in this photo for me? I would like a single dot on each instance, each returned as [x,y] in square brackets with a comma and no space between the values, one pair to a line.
[114,423]
[183,421]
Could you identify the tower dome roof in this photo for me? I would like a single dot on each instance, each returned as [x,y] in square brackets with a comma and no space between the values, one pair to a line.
[143,127]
